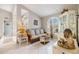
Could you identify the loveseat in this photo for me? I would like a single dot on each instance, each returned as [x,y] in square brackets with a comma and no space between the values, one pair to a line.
[35,34]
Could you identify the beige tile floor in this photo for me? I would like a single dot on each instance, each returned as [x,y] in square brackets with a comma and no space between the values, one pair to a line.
[35,48]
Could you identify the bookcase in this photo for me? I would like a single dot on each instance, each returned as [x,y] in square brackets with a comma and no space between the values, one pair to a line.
[68,20]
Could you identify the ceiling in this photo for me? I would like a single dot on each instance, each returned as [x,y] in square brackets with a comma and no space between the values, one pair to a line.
[48,9]
[7,7]
[41,9]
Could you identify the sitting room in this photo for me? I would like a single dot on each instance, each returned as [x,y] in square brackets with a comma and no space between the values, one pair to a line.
[39,28]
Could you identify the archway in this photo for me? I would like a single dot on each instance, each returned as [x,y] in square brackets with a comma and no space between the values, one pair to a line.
[53,26]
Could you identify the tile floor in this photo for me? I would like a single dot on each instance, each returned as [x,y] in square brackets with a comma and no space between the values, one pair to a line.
[35,48]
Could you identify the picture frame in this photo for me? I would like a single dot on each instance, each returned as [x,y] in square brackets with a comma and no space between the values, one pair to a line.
[36,22]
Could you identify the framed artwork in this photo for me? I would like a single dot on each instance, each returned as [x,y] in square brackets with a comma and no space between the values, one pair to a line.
[35,22]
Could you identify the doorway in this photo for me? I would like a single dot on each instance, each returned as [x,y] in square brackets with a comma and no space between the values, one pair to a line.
[54,26]
[8,31]
[7,28]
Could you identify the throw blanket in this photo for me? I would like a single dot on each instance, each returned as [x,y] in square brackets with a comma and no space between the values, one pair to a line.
[66,43]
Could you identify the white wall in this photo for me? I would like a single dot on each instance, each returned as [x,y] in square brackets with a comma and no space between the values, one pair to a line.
[7,7]
[7,16]
[17,16]
[46,18]
[4,14]
[31,18]
[78,24]
[44,21]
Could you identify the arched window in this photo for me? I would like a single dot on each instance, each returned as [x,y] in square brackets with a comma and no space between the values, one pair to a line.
[53,25]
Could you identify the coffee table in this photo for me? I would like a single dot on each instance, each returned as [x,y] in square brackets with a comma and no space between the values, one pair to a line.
[44,39]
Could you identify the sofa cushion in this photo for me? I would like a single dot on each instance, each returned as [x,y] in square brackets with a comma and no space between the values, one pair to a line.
[34,37]
[41,35]
[41,31]
[32,32]
[37,32]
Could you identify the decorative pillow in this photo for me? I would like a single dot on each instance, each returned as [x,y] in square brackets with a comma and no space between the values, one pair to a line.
[41,31]
[37,32]
[32,32]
